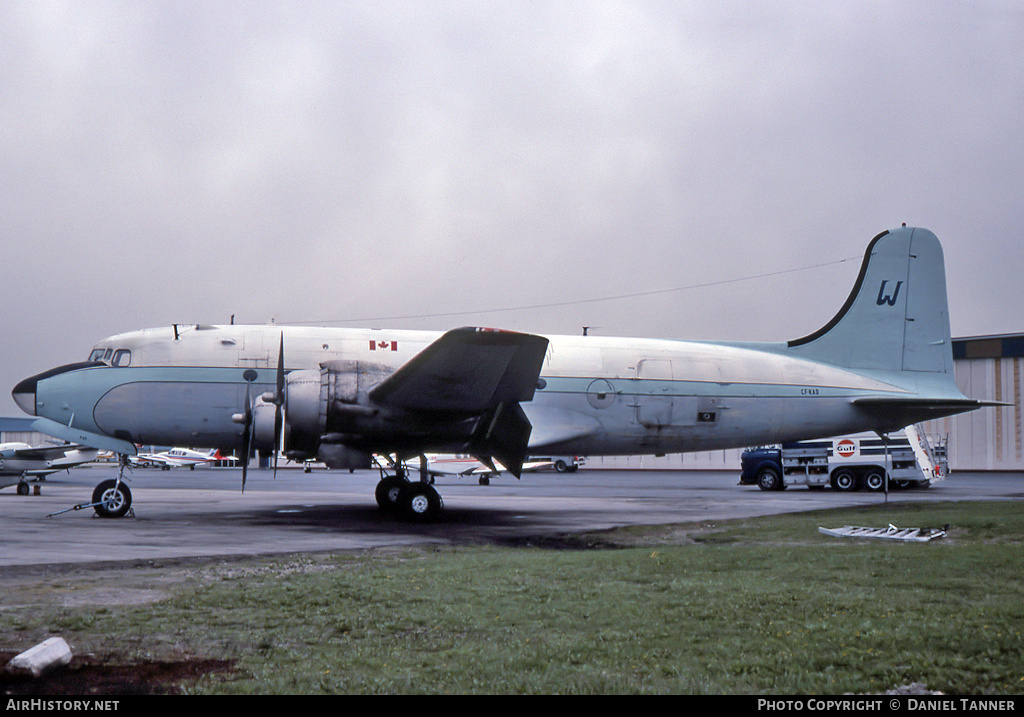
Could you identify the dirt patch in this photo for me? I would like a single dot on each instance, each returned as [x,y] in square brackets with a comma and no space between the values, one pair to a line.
[90,675]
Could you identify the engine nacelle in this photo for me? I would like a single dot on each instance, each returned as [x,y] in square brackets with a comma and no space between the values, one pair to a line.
[335,456]
[323,401]
[329,415]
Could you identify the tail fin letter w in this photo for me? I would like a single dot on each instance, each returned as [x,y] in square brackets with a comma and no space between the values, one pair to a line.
[890,300]
[897,317]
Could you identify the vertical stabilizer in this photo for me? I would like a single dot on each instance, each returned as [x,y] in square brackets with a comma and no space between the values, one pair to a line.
[897,316]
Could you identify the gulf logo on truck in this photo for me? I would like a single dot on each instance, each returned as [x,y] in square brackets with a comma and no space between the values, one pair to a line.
[846,448]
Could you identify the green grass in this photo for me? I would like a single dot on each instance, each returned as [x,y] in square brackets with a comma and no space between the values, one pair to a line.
[752,606]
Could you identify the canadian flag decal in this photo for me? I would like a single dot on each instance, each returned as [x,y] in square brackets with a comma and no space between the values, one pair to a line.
[383,345]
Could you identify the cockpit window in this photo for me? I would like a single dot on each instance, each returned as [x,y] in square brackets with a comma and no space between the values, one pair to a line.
[120,357]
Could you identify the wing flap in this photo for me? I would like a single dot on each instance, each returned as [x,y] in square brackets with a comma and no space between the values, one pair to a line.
[505,436]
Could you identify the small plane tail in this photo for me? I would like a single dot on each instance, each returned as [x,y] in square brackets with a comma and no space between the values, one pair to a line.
[897,316]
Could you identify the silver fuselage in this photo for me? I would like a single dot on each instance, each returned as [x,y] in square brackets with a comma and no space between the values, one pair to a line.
[596,395]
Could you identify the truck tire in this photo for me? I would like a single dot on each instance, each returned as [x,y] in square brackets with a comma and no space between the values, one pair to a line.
[769,479]
[874,479]
[845,480]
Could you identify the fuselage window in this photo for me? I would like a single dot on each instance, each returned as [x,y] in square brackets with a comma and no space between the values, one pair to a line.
[122,357]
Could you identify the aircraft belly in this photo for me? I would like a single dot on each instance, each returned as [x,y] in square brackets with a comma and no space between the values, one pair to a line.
[620,423]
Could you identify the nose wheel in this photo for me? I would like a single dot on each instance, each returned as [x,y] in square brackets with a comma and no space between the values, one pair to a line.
[111,499]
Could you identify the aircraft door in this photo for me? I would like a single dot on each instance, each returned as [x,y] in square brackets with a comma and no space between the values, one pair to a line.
[656,404]
[252,352]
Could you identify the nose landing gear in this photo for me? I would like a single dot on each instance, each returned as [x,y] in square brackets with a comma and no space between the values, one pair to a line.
[110,499]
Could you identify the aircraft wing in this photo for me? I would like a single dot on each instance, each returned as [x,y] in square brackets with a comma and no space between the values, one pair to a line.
[77,435]
[41,453]
[44,460]
[475,373]
[442,465]
[467,370]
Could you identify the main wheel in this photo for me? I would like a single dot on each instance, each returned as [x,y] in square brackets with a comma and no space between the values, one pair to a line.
[419,502]
[387,492]
[111,499]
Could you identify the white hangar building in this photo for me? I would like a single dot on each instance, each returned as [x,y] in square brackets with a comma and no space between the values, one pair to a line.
[989,439]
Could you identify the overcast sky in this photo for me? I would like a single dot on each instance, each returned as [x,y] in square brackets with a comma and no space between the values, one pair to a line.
[403,164]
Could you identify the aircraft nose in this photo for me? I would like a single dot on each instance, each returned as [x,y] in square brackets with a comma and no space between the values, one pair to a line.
[25,395]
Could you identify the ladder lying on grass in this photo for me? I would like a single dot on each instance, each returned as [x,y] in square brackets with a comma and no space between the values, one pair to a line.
[916,535]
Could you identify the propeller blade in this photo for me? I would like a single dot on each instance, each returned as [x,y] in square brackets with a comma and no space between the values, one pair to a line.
[247,435]
[280,371]
[278,405]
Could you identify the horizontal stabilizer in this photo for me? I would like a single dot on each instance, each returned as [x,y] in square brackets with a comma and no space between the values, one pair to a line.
[895,413]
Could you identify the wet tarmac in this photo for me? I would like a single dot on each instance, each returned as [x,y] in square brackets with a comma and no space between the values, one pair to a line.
[203,512]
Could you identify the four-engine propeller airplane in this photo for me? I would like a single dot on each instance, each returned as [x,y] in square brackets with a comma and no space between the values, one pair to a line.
[339,395]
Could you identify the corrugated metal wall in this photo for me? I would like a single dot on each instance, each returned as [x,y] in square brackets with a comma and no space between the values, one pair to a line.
[990,438]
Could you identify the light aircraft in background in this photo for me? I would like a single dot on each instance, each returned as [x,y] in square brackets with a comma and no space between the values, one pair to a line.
[340,395]
[467,466]
[177,458]
[20,462]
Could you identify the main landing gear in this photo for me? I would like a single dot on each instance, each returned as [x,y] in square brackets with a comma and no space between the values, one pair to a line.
[415,500]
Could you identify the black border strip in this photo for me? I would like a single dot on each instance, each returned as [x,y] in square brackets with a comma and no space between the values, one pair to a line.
[849,300]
